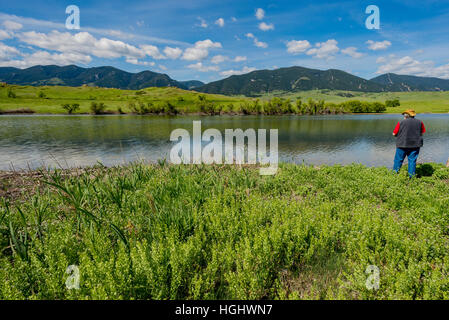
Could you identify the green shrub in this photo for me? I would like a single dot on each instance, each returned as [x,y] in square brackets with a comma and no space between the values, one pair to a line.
[143,108]
[170,108]
[97,107]
[378,107]
[229,108]
[132,106]
[299,106]
[71,108]
[247,107]
[206,107]
[392,103]
[356,106]
[11,93]
[331,108]
[277,106]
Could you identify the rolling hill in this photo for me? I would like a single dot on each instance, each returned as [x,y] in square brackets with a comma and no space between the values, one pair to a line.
[395,82]
[289,79]
[75,76]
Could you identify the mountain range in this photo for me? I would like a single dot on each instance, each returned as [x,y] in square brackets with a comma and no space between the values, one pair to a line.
[75,76]
[289,79]
[260,81]
[395,82]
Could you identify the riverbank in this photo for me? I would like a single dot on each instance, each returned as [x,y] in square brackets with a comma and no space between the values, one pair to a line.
[30,112]
[224,232]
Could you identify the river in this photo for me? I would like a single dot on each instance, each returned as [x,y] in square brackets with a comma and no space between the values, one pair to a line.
[32,141]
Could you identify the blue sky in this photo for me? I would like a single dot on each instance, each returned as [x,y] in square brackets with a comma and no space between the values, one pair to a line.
[210,40]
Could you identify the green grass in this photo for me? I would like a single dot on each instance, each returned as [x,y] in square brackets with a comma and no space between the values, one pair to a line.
[422,102]
[224,232]
[56,96]
[53,97]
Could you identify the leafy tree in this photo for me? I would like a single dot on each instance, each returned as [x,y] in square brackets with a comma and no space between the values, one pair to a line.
[97,107]
[132,107]
[171,108]
[71,108]
[392,103]
[378,107]
[11,93]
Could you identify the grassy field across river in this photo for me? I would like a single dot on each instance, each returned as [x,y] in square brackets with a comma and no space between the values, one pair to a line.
[225,232]
[422,102]
[50,99]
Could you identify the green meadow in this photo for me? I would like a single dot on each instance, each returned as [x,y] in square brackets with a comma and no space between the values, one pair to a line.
[53,97]
[49,99]
[422,102]
[225,232]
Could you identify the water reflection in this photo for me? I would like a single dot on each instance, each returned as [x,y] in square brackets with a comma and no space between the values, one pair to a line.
[35,141]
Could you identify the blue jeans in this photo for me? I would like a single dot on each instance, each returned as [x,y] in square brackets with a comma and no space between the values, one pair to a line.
[411,154]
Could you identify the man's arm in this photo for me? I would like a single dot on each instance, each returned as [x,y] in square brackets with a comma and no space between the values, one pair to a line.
[396,129]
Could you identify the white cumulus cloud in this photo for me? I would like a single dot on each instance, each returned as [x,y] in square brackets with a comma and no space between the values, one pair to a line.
[352,51]
[172,53]
[260,13]
[200,50]
[410,66]
[297,46]
[202,68]
[260,44]
[203,23]
[12,25]
[83,45]
[240,59]
[256,41]
[152,51]
[218,59]
[379,45]
[7,52]
[138,62]
[82,42]
[220,22]
[5,35]
[324,50]
[46,58]
[265,27]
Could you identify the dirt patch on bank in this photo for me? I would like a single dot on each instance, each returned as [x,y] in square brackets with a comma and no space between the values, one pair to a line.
[18,111]
[14,185]
[22,185]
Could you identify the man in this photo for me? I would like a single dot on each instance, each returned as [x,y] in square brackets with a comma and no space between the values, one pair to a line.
[409,140]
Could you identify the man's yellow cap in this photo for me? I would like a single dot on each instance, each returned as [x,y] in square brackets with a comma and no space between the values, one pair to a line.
[410,112]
